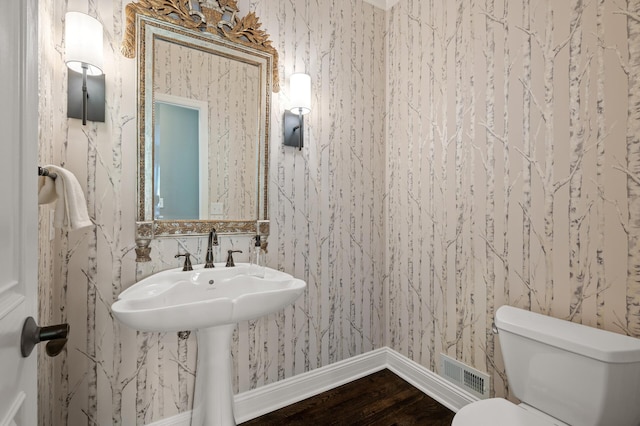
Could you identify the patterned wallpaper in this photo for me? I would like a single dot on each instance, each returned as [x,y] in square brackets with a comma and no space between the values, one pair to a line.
[485,151]
[512,170]
[326,208]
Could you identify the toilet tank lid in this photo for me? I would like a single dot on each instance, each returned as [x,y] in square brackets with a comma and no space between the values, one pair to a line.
[581,339]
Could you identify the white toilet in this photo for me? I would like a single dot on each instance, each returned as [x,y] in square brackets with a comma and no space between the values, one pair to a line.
[564,373]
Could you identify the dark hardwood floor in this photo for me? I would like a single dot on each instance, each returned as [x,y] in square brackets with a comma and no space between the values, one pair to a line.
[380,399]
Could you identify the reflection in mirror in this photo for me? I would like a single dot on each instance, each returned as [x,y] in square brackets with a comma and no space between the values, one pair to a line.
[180,158]
[230,89]
[205,82]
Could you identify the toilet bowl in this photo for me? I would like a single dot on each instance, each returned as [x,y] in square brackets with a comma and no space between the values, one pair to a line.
[500,412]
[564,374]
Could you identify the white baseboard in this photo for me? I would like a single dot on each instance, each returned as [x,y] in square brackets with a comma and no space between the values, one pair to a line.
[438,388]
[254,403]
[182,419]
[268,398]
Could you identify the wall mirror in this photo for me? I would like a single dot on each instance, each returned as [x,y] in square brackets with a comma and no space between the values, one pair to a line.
[205,79]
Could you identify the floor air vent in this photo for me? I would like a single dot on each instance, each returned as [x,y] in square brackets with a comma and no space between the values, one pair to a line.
[469,379]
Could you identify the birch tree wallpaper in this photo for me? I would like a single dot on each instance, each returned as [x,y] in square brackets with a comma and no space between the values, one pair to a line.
[512,171]
[460,155]
[326,211]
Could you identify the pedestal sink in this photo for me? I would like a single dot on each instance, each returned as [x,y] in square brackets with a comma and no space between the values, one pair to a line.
[211,302]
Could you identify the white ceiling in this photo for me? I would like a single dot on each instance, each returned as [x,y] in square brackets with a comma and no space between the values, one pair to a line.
[382,4]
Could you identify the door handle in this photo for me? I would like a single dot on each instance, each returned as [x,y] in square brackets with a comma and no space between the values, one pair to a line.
[32,334]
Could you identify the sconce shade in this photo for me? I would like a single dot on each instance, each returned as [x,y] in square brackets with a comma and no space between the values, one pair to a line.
[300,89]
[83,43]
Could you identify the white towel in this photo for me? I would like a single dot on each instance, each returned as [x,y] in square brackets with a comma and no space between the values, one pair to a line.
[71,206]
[46,190]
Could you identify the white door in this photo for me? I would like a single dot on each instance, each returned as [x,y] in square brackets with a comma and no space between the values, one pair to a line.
[18,207]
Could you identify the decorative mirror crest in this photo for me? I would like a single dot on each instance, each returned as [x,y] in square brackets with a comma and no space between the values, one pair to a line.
[213,16]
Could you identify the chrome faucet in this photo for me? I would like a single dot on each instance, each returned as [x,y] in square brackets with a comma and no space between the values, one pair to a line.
[213,241]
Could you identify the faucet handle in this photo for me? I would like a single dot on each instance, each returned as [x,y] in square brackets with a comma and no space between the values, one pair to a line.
[230,257]
[187,261]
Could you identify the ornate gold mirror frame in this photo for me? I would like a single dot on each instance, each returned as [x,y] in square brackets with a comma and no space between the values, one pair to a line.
[212,22]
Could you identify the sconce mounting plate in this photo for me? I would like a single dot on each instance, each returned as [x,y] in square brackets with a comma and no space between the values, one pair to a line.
[96,100]
[292,127]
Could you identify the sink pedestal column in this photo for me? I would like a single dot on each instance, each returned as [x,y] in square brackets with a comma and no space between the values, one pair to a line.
[213,399]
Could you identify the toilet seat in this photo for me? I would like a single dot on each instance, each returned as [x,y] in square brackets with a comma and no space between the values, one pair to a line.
[498,412]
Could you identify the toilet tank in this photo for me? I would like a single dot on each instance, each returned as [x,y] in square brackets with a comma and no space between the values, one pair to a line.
[577,374]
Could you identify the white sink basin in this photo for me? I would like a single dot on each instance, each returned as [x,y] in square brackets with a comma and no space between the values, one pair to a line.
[211,302]
[174,300]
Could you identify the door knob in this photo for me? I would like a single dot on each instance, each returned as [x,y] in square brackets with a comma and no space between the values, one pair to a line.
[32,334]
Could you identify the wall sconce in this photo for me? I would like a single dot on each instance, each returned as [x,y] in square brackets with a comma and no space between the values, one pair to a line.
[300,90]
[84,57]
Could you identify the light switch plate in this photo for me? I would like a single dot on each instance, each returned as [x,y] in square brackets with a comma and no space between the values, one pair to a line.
[216,208]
